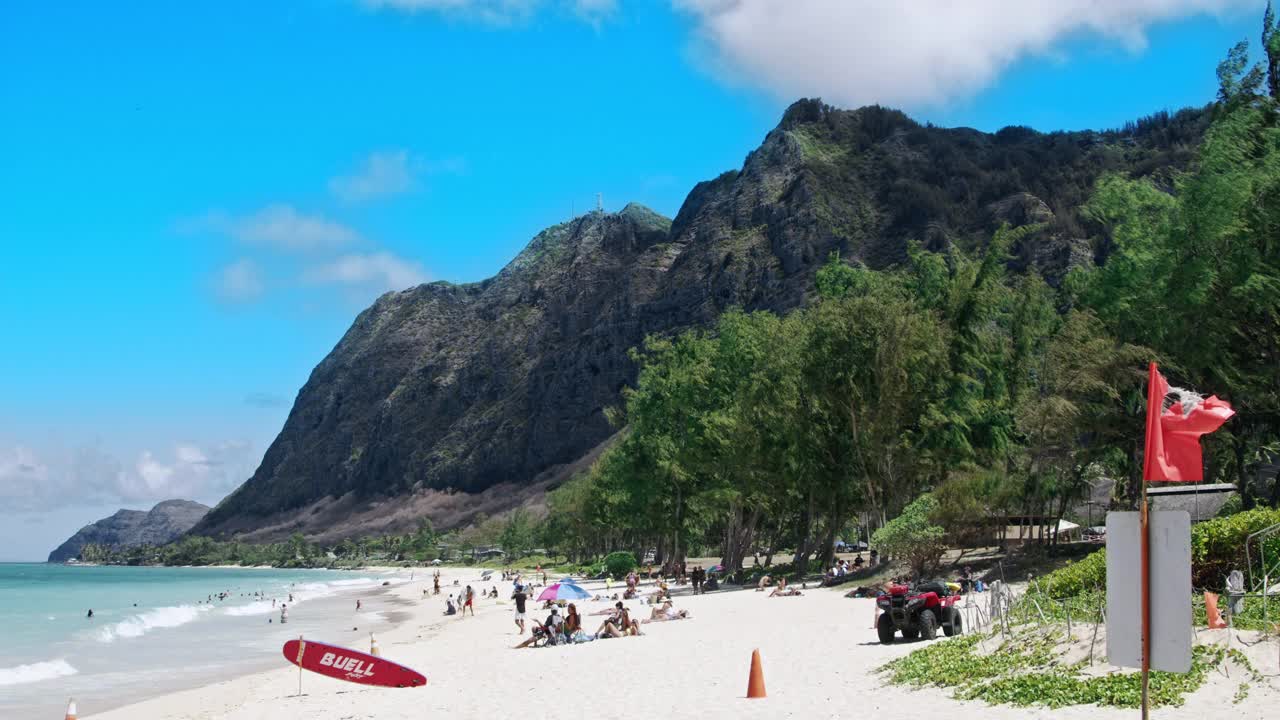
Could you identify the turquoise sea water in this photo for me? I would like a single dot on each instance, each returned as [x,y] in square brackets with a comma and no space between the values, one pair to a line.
[157,629]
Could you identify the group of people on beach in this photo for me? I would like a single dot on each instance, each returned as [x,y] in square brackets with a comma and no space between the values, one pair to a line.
[568,629]
[466,599]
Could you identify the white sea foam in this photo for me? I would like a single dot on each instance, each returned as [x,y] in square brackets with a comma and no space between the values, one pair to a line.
[303,592]
[142,623]
[35,672]
[257,608]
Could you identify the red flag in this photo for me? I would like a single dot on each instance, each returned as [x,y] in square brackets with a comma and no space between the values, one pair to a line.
[1173,436]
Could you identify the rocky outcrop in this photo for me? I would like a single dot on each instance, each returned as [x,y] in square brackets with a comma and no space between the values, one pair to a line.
[494,389]
[129,528]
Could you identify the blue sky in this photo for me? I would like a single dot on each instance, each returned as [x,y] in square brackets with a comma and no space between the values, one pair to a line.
[196,200]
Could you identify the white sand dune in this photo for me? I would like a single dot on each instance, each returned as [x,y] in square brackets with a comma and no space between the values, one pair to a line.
[820,656]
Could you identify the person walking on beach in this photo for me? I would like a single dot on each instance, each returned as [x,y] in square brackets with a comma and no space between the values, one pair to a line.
[520,597]
[436,579]
[357,606]
[284,614]
[468,601]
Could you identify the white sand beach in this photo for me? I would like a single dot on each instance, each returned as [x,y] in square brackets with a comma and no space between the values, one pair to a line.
[820,659]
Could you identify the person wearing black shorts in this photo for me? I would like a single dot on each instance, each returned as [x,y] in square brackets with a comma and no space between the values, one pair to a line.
[520,597]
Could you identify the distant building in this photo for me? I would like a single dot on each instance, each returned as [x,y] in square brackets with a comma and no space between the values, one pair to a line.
[1201,501]
[1021,529]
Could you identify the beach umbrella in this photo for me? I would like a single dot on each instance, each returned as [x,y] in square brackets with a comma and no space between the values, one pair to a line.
[563,591]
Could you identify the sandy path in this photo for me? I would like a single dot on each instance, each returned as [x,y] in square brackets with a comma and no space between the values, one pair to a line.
[819,653]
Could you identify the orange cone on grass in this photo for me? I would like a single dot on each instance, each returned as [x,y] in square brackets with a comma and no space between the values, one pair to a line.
[71,709]
[755,683]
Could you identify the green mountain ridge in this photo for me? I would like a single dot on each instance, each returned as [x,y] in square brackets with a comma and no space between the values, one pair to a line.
[443,400]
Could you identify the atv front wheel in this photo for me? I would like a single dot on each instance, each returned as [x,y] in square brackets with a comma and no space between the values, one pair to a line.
[884,628]
[928,624]
[954,624]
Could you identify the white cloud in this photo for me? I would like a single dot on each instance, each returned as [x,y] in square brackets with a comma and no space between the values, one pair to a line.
[906,54]
[383,173]
[33,482]
[278,226]
[240,282]
[500,12]
[496,12]
[380,271]
[283,227]
[595,11]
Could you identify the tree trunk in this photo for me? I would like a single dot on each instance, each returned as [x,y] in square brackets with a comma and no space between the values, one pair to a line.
[739,538]
[801,561]
[1243,483]
[829,543]
[676,557]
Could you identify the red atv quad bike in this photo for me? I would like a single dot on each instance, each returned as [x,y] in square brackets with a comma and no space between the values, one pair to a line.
[918,611]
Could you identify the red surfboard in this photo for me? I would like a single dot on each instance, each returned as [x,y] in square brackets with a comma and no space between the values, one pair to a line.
[350,665]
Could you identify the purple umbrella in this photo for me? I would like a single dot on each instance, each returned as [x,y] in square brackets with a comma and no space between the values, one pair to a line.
[563,591]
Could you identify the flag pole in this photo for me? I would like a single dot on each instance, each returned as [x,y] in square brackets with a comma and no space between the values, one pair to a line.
[1146,604]
[1155,405]
[302,648]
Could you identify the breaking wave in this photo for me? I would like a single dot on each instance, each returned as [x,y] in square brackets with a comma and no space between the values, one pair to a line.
[142,623]
[35,672]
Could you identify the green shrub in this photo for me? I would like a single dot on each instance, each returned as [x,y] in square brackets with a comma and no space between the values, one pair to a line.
[1232,506]
[1217,546]
[1076,578]
[913,537]
[619,564]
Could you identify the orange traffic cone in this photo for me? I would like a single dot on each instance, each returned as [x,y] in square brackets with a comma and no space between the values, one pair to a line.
[71,709]
[373,646]
[755,683]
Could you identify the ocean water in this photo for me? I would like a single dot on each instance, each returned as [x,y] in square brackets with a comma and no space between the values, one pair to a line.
[160,629]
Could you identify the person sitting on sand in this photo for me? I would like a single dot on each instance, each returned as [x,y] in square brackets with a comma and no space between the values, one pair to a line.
[765,581]
[539,632]
[782,590]
[552,630]
[660,593]
[573,631]
[449,608]
[555,627]
[618,624]
[630,593]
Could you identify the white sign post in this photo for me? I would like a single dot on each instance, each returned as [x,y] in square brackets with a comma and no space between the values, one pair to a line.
[1169,590]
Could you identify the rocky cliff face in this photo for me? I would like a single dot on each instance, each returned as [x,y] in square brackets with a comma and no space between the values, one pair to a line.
[442,398]
[129,528]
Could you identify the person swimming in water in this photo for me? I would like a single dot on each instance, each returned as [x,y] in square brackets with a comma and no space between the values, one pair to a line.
[90,615]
